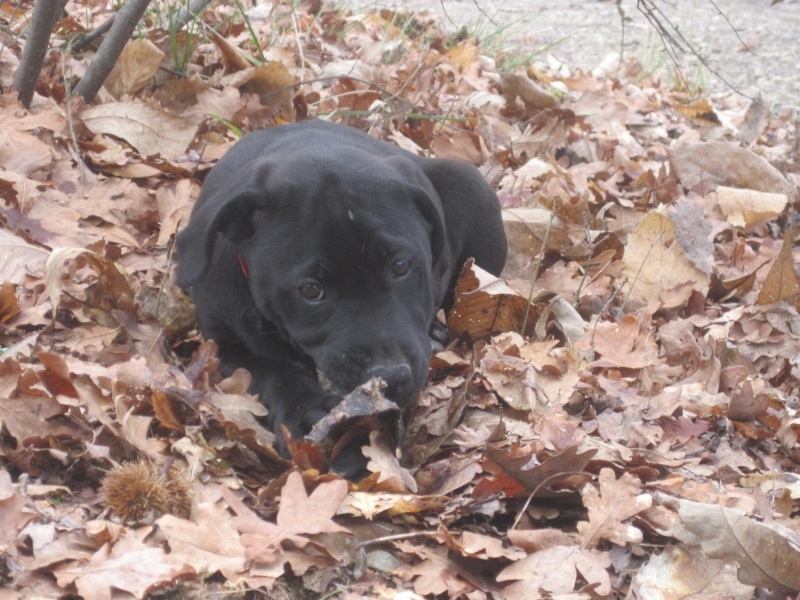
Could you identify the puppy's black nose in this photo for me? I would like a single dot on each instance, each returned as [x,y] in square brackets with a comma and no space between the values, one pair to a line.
[397,378]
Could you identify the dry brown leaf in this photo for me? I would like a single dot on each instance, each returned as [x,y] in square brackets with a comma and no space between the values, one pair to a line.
[370,504]
[624,344]
[463,56]
[299,515]
[554,571]
[526,229]
[9,307]
[18,258]
[382,460]
[559,471]
[767,554]
[693,233]
[174,205]
[533,540]
[21,149]
[457,144]
[309,514]
[609,508]
[745,406]
[240,414]
[782,281]
[190,543]
[231,56]
[131,566]
[532,95]
[755,121]
[723,163]
[484,547]
[657,267]
[681,572]
[149,129]
[745,208]
[485,305]
[113,282]
[135,68]
[701,109]
[271,82]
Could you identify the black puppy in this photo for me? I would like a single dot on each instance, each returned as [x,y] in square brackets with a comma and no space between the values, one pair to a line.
[317,253]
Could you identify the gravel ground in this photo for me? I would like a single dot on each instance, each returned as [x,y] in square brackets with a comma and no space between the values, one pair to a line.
[581,33]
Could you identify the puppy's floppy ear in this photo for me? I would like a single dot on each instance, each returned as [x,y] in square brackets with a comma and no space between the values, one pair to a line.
[427,202]
[228,210]
[231,216]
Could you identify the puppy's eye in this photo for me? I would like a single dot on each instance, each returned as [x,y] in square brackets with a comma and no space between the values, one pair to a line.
[401,267]
[312,292]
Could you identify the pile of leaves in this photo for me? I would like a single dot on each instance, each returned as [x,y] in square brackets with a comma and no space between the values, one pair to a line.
[617,417]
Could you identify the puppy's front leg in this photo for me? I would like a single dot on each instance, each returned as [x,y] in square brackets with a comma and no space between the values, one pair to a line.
[293,398]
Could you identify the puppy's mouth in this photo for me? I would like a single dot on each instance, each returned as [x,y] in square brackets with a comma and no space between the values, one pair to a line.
[389,389]
[327,385]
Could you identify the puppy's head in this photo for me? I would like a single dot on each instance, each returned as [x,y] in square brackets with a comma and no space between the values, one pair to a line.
[346,255]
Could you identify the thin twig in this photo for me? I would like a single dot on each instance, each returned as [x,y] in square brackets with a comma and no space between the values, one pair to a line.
[446,116]
[397,536]
[538,487]
[539,260]
[639,272]
[622,17]
[90,37]
[673,40]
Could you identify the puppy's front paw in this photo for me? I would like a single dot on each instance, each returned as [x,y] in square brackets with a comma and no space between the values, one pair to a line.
[439,335]
[317,409]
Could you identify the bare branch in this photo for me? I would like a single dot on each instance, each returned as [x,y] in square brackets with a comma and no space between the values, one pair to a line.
[188,12]
[124,23]
[45,15]
[92,35]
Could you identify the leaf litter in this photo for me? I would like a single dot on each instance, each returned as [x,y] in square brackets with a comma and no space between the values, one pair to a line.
[617,416]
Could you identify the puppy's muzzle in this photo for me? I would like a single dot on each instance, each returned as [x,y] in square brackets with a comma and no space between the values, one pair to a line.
[398,379]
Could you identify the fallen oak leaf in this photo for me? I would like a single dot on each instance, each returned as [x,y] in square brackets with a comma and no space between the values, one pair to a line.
[616,501]
[382,460]
[299,515]
[9,307]
[533,96]
[701,109]
[484,547]
[554,571]
[557,471]
[627,344]
[737,287]
[129,565]
[189,541]
[365,406]
[310,514]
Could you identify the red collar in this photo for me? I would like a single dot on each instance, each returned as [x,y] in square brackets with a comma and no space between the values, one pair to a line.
[243,265]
